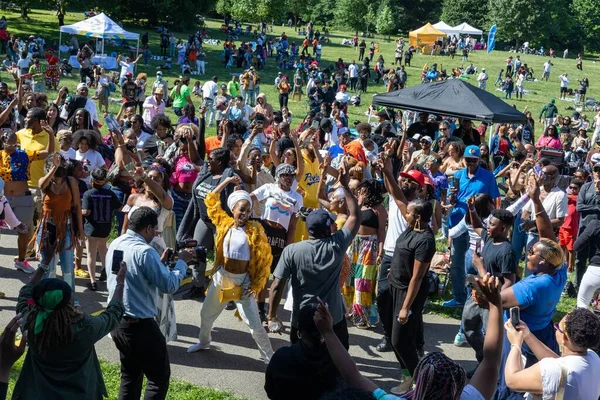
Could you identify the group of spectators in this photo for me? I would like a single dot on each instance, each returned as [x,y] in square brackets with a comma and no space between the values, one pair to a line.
[345,215]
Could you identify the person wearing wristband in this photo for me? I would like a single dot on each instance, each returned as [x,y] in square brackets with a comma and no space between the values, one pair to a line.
[142,345]
[555,203]
[61,339]
[569,375]
[315,265]
[537,294]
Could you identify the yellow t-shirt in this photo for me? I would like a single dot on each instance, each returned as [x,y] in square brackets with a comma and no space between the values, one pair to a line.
[30,143]
[309,185]
[310,181]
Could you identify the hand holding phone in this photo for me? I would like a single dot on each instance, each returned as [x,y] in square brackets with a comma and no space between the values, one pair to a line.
[515,316]
[116,261]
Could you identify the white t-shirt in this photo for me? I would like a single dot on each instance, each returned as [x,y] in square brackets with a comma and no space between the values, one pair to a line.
[353,71]
[209,89]
[91,108]
[126,67]
[555,204]
[396,225]
[69,154]
[91,159]
[547,67]
[564,81]
[582,372]
[279,204]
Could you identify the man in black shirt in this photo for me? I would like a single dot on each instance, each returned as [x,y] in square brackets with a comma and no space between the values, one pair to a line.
[328,95]
[466,132]
[498,259]
[422,127]
[128,90]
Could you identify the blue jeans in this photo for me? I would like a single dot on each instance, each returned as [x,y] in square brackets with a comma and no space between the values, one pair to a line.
[120,215]
[67,261]
[250,97]
[178,111]
[460,247]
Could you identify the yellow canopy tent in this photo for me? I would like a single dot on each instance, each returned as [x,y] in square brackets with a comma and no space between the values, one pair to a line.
[425,35]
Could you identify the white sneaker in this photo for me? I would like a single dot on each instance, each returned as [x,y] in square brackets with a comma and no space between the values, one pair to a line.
[24,266]
[198,347]
[403,387]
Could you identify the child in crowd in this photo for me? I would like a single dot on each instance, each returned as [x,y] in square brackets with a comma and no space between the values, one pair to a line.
[568,231]
[197,89]
[98,208]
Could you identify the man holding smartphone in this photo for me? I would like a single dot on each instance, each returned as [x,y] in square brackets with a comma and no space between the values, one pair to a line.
[142,346]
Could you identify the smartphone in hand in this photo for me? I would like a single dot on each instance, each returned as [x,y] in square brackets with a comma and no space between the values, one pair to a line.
[515,316]
[116,261]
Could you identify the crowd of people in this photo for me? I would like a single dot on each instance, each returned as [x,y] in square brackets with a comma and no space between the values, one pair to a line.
[342,218]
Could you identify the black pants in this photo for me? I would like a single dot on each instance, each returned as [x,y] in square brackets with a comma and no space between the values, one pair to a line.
[143,352]
[353,82]
[361,54]
[340,329]
[86,72]
[384,296]
[283,100]
[405,337]
[581,260]
[363,83]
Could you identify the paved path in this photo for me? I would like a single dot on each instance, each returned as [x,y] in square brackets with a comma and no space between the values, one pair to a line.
[233,363]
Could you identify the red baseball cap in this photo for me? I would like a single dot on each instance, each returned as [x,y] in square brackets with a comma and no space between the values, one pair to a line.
[415,175]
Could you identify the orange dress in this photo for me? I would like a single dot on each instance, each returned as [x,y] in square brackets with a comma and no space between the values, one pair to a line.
[57,208]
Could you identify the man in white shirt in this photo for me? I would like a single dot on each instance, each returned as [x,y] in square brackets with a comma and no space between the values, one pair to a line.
[482,79]
[555,203]
[353,74]
[209,91]
[564,85]
[126,66]
[153,105]
[547,67]
[90,106]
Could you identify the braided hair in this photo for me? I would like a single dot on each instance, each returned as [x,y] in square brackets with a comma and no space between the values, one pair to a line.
[438,378]
[374,191]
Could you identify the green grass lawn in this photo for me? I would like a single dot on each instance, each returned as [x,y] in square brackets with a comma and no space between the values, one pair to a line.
[178,389]
[45,23]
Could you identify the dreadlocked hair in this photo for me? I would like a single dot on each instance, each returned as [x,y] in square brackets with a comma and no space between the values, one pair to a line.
[57,328]
[438,378]
[373,190]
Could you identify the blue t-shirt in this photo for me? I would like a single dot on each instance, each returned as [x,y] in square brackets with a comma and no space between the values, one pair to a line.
[482,182]
[538,296]
[335,151]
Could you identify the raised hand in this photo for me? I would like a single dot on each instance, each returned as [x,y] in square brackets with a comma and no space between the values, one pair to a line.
[57,160]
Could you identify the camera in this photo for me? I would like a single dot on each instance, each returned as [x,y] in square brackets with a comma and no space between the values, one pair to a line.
[199,252]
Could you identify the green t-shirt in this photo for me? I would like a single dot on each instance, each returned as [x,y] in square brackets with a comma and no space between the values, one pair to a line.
[233,88]
[180,101]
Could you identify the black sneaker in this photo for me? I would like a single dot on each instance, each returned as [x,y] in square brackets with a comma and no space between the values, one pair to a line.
[194,293]
[263,316]
[92,286]
[384,346]
[230,306]
[569,290]
[102,276]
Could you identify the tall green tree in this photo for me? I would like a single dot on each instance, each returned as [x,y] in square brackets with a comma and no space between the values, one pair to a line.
[352,14]
[473,12]
[587,13]
[385,25]
[521,20]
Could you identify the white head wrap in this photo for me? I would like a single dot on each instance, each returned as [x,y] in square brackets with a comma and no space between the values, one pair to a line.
[237,196]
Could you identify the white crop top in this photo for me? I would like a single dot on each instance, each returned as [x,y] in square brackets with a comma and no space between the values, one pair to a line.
[235,246]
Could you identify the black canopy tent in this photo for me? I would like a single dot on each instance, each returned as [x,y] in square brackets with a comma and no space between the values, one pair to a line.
[454,98]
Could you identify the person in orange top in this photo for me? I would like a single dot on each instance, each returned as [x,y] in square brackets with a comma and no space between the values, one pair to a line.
[315,42]
[305,44]
[355,149]
[284,92]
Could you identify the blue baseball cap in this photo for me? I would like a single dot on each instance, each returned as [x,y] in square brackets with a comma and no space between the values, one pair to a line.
[318,222]
[472,152]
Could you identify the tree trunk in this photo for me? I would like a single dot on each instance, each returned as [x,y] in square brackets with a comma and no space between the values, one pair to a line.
[24,9]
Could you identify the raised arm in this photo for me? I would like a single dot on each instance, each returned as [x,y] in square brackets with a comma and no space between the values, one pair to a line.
[542,221]
[51,141]
[44,181]
[475,219]
[321,192]
[202,134]
[8,110]
[492,346]
[156,189]
[354,218]
[391,185]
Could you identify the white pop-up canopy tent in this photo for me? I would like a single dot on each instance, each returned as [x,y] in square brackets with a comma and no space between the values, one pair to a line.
[444,27]
[99,27]
[466,29]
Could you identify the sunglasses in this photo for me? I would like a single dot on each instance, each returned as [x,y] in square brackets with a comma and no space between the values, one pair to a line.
[470,160]
[557,328]
[424,142]
[443,129]
[287,175]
